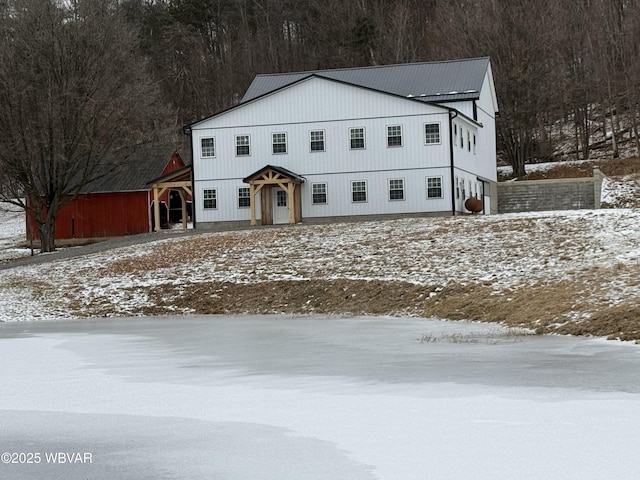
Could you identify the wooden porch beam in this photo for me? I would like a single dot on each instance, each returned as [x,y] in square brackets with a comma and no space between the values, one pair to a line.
[181,184]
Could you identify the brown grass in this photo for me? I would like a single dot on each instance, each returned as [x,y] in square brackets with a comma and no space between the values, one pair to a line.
[568,307]
[617,167]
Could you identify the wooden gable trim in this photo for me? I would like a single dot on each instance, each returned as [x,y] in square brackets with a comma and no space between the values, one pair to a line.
[268,177]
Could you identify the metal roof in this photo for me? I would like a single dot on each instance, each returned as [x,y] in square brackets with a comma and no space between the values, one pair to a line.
[280,170]
[431,81]
[130,171]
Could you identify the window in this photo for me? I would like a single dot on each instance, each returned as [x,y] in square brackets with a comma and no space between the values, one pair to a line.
[431,133]
[244,197]
[394,136]
[279,143]
[434,187]
[461,139]
[209,197]
[281,198]
[474,143]
[455,134]
[356,136]
[317,140]
[396,189]
[359,191]
[457,188]
[468,141]
[208,147]
[242,146]
[319,193]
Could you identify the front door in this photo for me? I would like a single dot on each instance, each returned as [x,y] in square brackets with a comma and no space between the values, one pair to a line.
[280,206]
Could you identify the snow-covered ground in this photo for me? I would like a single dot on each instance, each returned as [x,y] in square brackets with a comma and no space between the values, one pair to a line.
[280,397]
[12,232]
[593,256]
[308,397]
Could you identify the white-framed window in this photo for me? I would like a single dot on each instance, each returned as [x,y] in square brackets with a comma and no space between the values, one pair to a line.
[396,189]
[461,138]
[431,133]
[209,198]
[394,135]
[208,147]
[244,197]
[474,143]
[434,187]
[356,138]
[468,141]
[243,146]
[455,134]
[359,191]
[316,140]
[279,143]
[318,193]
[282,198]
[457,189]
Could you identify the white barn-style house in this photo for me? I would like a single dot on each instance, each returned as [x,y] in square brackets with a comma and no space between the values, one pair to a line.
[410,139]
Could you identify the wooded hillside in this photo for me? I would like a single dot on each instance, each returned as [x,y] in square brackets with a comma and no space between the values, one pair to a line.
[567,72]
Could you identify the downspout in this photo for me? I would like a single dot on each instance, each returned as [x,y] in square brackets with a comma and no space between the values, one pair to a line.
[483,183]
[187,131]
[452,114]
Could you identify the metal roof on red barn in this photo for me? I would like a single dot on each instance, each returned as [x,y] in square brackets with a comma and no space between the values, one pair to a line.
[132,170]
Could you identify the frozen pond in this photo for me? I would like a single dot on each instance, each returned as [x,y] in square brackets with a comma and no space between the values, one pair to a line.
[284,397]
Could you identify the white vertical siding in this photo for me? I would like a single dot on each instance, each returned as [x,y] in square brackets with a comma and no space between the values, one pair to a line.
[319,100]
[227,202]
[487,135]
[318,104]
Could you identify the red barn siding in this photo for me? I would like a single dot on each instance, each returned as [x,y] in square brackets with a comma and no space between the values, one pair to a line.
[109,214]
[103,215]
[174,163]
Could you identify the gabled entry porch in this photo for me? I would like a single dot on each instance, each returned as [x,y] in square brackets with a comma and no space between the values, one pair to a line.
[179,181]
[280,195]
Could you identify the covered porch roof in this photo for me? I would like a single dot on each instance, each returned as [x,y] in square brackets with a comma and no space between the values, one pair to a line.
[270,176]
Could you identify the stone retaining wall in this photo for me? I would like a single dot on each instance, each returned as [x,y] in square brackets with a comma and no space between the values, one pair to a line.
[542,195]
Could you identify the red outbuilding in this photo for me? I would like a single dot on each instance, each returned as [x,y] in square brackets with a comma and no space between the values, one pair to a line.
[121,202]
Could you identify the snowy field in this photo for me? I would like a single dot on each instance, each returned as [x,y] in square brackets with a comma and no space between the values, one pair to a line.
[324,397]
[556,268]
[12,232]
[280,397]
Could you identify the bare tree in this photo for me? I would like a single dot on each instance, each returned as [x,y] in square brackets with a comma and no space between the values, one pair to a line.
[74,93]
[557,65]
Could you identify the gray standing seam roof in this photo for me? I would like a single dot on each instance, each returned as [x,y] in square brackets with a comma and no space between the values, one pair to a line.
[431,82]
[131,171]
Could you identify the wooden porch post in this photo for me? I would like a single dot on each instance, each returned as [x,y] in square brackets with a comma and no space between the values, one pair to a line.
[252,202]
[156,209]
[291,201]
[183,201]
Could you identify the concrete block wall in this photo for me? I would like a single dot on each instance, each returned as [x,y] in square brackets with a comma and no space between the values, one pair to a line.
[543,195]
